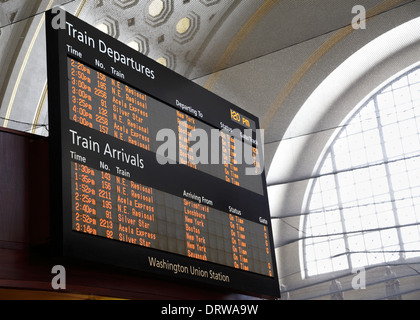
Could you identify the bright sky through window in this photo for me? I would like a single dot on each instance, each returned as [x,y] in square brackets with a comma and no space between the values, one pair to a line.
[364,208]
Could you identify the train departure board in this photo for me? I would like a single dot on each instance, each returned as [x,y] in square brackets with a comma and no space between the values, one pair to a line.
[150,171]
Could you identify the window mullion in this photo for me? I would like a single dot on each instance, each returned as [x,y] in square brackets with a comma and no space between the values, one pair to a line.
[388,176]
[340,208]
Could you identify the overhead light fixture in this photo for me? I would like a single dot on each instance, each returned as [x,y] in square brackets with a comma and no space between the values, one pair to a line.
[134,44]
[183,25]
[103,27]
[163,61]
[155,8]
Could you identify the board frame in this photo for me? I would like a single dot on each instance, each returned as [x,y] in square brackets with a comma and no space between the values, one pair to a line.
[169,87]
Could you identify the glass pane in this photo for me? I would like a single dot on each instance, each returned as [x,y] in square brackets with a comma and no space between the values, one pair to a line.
[388,116]
[406,215]
[386,219]
[370,123]
[323,250]
[327,183]
[316,202]
[411,238]
[342,160]
[310,253]
[415,91]
[318,231]
[412,250]
[359,260]
[369,218]
[337,247]
[386,101]
[354,127]
[414,77]
[391,133]
[327,167]
[324,266]
[311,268]
[340,263]
[375,154]
[334,227]
[329,199]
[389,239]
[348,194]
[394,148]
[358,157]
[353,225]
[356,243]
[402,96]
[392,253]
[405,111]
[403,82]
[400,181]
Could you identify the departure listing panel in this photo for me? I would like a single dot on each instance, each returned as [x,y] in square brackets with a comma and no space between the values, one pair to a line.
[156,174]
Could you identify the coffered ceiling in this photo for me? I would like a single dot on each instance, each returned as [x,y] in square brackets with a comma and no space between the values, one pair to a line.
[195,38]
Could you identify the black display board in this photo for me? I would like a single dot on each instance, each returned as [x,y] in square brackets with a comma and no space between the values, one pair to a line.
[150,171]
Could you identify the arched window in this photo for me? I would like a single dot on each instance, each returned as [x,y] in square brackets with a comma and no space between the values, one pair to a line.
[363,206]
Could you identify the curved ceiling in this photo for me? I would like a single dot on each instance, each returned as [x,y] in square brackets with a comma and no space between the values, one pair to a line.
[196,38]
